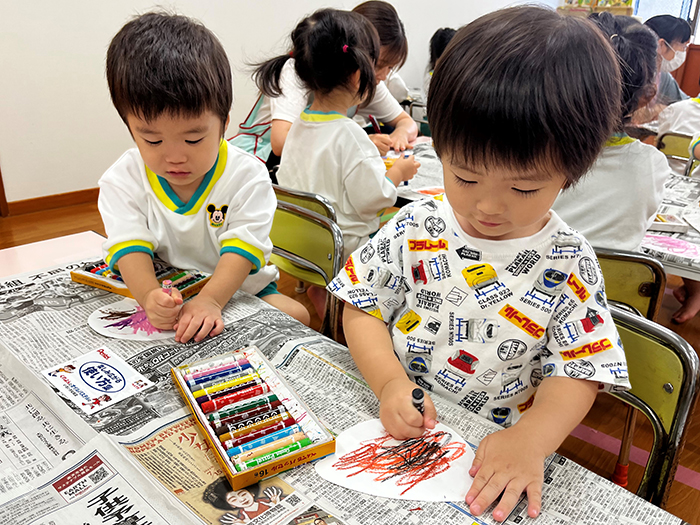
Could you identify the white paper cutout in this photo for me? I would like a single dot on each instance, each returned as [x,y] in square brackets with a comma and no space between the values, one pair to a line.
[126,320]
[442,475]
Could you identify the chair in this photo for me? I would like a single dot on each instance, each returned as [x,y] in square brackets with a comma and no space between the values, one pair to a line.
[633,280]
[674,145]
[311,201]
[663,370]
[309,247]
[691,165]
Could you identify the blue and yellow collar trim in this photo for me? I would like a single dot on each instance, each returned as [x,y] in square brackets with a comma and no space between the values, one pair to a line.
[320,116]
[170,200]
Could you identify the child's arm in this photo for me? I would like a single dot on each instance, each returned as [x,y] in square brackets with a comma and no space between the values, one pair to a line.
[202,315]
[403,169]
[370,346]
[161,308]
[512,460]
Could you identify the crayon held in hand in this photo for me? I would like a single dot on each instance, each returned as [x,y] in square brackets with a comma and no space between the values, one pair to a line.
[418,399]
[167,286]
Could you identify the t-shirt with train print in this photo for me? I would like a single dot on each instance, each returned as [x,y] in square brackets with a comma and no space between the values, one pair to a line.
[483,322]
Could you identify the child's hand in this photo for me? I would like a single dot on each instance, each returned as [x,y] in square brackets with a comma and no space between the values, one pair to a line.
[382,141]
[399,139]
[408,167]
[508,461]
[161,308]
[200,316]
[398,415]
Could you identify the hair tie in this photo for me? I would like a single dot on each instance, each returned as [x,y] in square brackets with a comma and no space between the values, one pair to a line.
[345,48]
[613,36]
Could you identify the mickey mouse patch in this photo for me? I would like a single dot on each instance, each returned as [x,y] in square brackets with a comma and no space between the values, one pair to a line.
[217,216]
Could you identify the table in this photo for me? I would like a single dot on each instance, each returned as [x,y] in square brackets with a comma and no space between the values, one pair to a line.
[429,175]
[158,432]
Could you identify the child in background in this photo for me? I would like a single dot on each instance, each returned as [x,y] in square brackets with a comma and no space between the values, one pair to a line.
[265,129]
[674,36]
[184,193]
[625,186]
[335,53]
[488,295]
[438,43]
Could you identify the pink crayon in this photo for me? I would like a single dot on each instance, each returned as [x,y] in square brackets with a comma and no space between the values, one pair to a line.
[167,286]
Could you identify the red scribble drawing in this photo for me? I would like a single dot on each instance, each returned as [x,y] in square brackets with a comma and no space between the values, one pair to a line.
[135,319]
[411,461]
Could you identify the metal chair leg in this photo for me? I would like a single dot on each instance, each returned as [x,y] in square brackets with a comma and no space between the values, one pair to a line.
[622,467]
[300,287]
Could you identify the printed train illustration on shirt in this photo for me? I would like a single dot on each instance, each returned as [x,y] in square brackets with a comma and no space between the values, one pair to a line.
[484,326]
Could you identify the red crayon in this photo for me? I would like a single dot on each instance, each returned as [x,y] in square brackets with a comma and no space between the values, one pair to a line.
[241,416]
[229,390]
[219,402]
[235,442]
[243,423]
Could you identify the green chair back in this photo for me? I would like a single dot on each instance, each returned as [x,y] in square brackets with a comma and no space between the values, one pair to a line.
[311,201]
[674,145]
[663,370]
[633,279]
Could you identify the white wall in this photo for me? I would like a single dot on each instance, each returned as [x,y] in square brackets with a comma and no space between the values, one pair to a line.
[58,129]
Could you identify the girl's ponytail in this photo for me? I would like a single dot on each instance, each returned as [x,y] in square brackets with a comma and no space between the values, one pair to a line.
[267,75]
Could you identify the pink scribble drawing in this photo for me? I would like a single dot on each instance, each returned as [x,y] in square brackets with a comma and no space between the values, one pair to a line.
[411,461]
[671,245]
[135,319]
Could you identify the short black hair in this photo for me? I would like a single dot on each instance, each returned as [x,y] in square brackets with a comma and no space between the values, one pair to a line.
[515,90]
[438,43]
[635,45]
[392,35]
[166,63]
[328,47]
[670,28]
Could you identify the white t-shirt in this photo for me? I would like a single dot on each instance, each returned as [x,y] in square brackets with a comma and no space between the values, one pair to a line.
[482,322]
[328,154]
[254,132]
[231,211]
[615,202]
[681,117]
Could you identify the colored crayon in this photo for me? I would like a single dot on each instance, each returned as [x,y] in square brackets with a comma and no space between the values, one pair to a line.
[167,286]
[223,384]
[178,276]
[99,267]
[273,455]
[177,282]
[234,425]
[270,447]
[221,423]
[228,391]
[243,406]
[275,436]
[256,424]
[206,376]
[258,433]
[220,402]
[207,365]
[102,270]
[229,376]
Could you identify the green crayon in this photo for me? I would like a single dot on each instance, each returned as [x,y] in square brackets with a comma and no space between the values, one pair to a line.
[273,455]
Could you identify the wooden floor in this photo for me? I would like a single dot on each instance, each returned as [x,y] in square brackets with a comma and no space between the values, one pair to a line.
[607,415]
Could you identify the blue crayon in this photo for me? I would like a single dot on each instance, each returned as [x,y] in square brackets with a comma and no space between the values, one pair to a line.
[217,375]
[263,440]
[222,379]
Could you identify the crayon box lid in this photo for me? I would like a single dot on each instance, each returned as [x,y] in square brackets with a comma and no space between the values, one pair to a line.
[323,441]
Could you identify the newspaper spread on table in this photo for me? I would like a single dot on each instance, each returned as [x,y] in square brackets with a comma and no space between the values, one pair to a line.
[43,322]
[681,197]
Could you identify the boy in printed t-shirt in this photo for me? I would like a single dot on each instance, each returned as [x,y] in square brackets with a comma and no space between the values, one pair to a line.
[184,193]
[487,297]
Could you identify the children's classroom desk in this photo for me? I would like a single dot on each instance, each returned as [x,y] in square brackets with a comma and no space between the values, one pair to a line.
[43,319]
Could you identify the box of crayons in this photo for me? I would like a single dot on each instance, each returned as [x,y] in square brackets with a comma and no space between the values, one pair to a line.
[254,422]
[97,274]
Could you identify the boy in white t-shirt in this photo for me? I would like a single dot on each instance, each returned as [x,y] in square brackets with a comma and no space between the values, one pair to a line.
[483,295]
[184,193]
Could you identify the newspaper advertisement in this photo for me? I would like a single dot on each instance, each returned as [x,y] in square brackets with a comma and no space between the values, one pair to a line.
[37,430]
[177,456]
[99,484]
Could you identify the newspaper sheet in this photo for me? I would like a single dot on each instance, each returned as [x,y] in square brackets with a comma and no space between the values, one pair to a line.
[47,311]
[37,430]
[99,484]
[429,174]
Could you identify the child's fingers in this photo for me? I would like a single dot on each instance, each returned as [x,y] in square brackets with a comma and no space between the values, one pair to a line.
[491,486]
[182,325]
[534,499]
[218,327]
[192,328]
[411,416]
[176,295]
[478,460]
[429,413]
[207,325]
[509,499]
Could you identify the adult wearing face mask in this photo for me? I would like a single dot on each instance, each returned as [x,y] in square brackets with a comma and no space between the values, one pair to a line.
[674,37]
